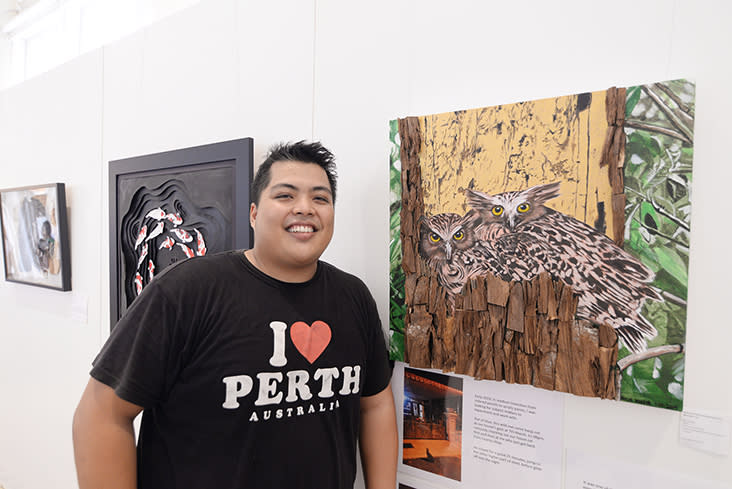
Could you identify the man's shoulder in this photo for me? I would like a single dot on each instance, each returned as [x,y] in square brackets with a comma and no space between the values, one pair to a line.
[342,277]
[201,266]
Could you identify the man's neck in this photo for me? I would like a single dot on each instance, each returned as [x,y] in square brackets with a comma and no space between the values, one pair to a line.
[290,274]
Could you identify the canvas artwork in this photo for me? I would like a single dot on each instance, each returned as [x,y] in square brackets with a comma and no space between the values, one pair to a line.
[35,236]
[546,242]
[172,206]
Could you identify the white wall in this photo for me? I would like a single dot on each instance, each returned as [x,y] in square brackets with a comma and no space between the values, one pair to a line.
[338,71]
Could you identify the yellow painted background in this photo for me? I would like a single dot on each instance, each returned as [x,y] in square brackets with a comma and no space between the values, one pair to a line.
[514,147]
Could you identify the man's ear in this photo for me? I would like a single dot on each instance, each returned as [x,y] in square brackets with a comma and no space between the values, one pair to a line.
[252,214]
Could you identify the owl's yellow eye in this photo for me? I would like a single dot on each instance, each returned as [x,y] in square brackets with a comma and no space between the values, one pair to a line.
[435,238]
[523,207]
[458,235]
[497,210]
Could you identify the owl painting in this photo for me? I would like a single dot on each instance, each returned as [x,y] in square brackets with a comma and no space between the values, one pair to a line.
[529,238]
[448,244]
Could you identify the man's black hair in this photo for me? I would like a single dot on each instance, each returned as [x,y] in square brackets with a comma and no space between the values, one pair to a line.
[305,152]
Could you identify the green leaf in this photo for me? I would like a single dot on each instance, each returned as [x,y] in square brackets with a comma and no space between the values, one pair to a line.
[632,96]
[666,281]
[645,146]
[676,329]
[672,263]
[648,216]
[640,386]
[396,347]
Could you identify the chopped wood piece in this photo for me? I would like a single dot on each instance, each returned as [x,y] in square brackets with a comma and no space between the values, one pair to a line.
[406,219]
[531,296]
[529,339]
[418,332]
[409,259]
[606,151]
[516,308]
[498,365]
[567,304]
[467,297]
[433,291]
[607,379]
[459,302]
[620,106]
[523,368]
[607,337]
[545,285]
[544,376]
[615,174]
[584,359]
[497,291]
[410,283]
[611,105]
[421,291]
[619,218]
[409,135]
[478,297]
[509,374]
[448,343]
[552,304]
[467,342]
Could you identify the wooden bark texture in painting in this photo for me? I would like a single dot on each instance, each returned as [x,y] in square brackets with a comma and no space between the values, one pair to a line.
[519,332]
[516,146]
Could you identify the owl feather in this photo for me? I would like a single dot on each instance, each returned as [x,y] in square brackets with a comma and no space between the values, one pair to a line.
[530,238]
[448,245]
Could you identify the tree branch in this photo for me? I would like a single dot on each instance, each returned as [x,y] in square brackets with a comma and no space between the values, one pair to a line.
[652,128]
[672,298]
[673,118]
[626,362]
[685,109]
[661,210]
[660,234]
[666,214]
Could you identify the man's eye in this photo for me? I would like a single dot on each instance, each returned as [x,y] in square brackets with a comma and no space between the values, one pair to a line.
[325,200]
[283,196]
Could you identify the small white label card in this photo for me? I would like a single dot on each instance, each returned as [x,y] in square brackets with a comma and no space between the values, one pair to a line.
[705,432]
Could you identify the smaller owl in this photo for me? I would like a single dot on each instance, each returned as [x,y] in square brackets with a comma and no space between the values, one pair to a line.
[448,244]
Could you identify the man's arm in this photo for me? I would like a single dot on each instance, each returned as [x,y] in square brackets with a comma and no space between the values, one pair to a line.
[104,439]
[379,440]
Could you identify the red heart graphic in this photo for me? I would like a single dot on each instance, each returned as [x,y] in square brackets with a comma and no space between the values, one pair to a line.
[310,341]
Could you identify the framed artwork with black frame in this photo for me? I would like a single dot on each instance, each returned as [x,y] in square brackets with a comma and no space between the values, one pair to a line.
[35,236]
[171,206]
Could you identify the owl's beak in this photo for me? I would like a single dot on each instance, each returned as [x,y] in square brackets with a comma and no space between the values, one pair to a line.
[448,252]
[511,222]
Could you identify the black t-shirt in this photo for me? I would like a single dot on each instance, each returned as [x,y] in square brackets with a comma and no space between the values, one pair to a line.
[246,381]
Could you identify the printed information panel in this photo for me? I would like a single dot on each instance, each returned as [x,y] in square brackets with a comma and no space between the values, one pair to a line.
[460,432]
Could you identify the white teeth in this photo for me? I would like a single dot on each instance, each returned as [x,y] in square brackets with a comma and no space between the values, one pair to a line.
[300,229]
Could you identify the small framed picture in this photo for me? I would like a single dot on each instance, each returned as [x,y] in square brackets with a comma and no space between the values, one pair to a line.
[35,236]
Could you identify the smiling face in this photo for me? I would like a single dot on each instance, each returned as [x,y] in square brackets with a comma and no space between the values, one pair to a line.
[293,222]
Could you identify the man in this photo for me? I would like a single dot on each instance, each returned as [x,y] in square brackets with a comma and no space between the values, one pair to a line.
[254,369]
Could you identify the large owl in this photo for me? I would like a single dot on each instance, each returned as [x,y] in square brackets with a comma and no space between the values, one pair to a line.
[448,244]
[530,238]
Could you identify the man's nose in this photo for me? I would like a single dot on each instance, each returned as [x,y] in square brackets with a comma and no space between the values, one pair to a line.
[303,205]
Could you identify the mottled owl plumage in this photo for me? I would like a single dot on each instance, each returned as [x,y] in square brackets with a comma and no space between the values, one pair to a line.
[448,245]
[529,238]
